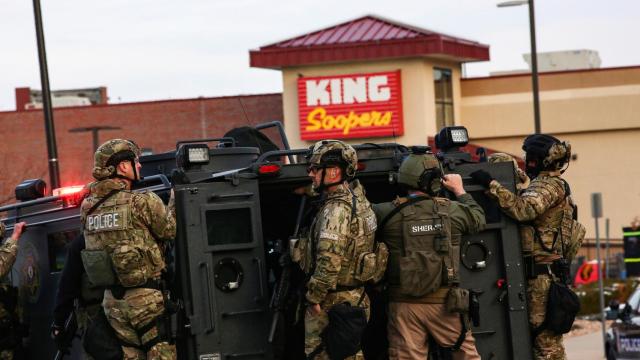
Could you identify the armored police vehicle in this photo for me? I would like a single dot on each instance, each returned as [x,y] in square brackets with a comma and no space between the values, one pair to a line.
[236,208]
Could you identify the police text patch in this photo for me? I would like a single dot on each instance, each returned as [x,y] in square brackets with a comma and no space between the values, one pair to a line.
[423,228]
[106,221]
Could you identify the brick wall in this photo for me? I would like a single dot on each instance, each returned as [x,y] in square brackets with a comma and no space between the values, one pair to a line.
[156,125]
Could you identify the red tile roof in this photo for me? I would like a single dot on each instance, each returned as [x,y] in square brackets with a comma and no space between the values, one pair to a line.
[366,38]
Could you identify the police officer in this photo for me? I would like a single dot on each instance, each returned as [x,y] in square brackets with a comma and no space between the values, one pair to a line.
[74,286]
[8,297]
[342,230]
[540,209]
[124,232]
[423,233]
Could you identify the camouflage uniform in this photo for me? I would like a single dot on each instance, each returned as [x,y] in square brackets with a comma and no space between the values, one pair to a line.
[8,252]
[542,205]
[134,246]
[343,229]
[545,213]
[339,235]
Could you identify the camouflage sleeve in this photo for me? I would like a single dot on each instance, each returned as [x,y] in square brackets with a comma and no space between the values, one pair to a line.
[332,235]
[8,253]
[467,217]
[160,219]
[541,195]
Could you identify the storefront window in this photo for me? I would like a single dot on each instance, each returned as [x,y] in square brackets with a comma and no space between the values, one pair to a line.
[444,97]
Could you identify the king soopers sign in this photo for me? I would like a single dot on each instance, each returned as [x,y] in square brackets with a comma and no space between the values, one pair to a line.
[350,106]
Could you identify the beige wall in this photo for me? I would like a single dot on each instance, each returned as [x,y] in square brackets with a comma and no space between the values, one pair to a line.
[597,111]
[607,162]
[418,98]
[569,102]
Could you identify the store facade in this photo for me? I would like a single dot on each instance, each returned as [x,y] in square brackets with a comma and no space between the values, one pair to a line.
[369,79]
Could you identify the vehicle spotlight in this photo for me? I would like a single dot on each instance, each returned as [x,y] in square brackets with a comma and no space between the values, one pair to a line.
[31,189]
[452,137]
[192,154]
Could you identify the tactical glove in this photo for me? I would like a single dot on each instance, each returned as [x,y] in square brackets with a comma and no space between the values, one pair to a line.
[481,177]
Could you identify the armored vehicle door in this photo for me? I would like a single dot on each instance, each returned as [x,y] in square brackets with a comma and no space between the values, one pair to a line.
[221,263]
[491,266]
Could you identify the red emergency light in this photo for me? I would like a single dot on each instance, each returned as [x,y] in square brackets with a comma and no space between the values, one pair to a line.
[269,169]
[70,195]
[68,190]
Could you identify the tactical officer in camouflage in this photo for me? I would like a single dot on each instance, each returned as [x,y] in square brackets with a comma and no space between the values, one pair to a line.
[124,233]
[342,231]
[423,233]
[540,210]
[8,298]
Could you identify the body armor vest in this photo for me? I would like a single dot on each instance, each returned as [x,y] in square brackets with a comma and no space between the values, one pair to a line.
[554,233]
[131,251]
[361,262]
[428,255]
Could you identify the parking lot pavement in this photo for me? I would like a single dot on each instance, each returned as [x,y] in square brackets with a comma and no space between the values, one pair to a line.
[585,347]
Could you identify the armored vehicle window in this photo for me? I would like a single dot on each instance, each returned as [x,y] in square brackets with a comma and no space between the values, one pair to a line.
[229,226]
[58,243]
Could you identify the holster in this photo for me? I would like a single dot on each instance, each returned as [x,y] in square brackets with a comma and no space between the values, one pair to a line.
[474,307]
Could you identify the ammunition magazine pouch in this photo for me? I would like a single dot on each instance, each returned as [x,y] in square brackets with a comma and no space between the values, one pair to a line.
[98,266]
[371,266]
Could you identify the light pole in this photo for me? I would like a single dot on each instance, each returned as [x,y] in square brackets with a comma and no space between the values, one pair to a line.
[534,58]
[50,131]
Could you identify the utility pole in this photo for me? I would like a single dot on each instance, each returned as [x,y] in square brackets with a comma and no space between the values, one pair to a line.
[534,58]
[50,131]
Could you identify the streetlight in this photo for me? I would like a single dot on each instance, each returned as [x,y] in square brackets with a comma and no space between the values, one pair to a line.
[534,58]
[94,131]
[50,131]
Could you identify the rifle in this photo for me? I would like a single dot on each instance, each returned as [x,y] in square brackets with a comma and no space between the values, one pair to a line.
[65,338]
[281,290]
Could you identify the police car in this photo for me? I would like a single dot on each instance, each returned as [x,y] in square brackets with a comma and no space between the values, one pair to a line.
[623,338]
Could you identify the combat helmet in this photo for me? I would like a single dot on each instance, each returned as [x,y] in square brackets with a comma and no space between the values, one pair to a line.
[110,154]
[327,153]
[522,180]
[420,170]
[545,152]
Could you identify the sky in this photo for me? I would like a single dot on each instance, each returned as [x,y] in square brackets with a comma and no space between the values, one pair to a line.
[145,50]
